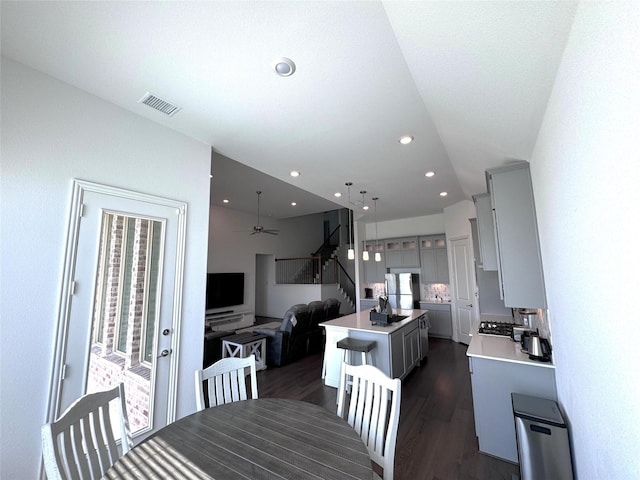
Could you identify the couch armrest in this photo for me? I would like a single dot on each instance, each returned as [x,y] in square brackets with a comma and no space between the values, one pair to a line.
[269,332]
[277,345]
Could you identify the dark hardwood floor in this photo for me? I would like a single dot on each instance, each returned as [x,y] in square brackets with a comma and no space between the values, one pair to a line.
[436,436]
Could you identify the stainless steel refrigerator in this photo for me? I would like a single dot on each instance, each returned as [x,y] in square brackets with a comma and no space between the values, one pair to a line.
[403,289]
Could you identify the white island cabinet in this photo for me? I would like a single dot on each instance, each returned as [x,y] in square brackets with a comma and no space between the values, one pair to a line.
[397,349]
[498,368]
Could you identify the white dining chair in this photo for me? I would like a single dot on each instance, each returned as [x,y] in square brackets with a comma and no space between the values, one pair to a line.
[373,410]
[81,443]
[225,382]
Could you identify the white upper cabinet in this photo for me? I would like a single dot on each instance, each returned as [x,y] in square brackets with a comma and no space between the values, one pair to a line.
[433,259]
[401,252]
[374,271]
[516,233]
[486,233]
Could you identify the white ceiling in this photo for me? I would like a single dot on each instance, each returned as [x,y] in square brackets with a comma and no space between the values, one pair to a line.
[469,80]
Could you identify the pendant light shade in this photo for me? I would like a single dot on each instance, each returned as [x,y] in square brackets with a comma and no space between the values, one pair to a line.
[365,253]
[351,254]
[377,257]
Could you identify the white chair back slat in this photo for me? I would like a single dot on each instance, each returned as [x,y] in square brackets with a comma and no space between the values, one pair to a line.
[85,452]
[373,411]
[225,382]
[239,379]
[81,444]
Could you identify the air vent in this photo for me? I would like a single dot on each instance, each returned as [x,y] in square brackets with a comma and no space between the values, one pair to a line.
[161,105]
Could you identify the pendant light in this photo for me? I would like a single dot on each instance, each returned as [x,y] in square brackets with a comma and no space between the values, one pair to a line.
[365,252]
[351,254]
[377,256]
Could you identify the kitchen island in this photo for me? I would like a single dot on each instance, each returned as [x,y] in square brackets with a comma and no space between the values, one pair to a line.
[397,349]
[498,368]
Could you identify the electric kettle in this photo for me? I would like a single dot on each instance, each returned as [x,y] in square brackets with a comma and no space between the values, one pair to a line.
[539,348]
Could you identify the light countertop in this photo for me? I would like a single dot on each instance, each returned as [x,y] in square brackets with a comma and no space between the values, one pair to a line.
[495,347]
[361,321]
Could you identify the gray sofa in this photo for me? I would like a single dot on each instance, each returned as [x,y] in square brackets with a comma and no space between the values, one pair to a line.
[299,333]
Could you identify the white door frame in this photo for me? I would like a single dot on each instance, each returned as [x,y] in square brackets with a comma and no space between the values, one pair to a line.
[471,282]
[79,187]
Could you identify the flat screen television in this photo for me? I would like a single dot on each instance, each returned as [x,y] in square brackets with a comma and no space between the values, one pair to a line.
[225,290]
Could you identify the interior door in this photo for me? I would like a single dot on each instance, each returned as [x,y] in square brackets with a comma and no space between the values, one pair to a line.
[463,301]
[120,303]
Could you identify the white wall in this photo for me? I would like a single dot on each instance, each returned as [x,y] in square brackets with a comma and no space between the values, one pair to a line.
[586,177]
[457,222]
[403,227]
[232,248]
[52,133]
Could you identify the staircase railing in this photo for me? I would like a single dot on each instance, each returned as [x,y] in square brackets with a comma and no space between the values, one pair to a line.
[321,267]
[327,247]
[346,282]
[305,270]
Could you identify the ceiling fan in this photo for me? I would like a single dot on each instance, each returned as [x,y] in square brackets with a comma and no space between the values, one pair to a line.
[259,228]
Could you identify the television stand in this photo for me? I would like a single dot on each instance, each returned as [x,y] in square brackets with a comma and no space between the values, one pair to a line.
[228,320]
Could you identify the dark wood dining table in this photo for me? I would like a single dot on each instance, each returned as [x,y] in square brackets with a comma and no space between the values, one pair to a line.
[268,438]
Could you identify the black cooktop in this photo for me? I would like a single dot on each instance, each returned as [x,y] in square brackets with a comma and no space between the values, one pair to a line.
[496,328]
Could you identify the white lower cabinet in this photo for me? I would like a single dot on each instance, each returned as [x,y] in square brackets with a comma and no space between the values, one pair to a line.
[439,319]
[492,382]
[405,350]
[411,348]
[397,354]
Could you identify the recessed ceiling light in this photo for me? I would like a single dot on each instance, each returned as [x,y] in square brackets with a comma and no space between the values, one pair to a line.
[337,194]
[430,174]
[366,207]
[294,173]
[226,200]
[443,194]
[284,66]
[406,140]
[293,204]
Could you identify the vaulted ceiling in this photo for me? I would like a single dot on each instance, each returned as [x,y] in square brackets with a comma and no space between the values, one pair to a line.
[468,80]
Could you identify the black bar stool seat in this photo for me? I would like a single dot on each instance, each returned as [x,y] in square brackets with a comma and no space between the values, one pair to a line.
[349,345]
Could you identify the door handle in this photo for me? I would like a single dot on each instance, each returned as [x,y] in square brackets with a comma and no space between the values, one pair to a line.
[164,353]
[470,305]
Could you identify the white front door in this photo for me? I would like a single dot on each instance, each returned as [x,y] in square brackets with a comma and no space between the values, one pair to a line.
[120,305]
[463,301]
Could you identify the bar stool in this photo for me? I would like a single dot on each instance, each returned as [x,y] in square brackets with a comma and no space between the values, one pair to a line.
[354,345]
[349,345]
